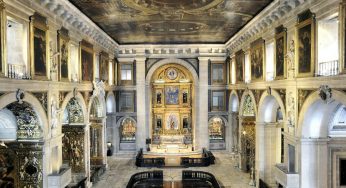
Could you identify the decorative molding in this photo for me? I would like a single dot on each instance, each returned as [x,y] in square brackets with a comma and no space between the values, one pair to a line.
[282,93]
[42,97]
[62,96]
[20,96]
[302,95]
[257,94]
[325,93]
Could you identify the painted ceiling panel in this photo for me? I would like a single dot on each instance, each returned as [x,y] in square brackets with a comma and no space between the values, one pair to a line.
[170,21]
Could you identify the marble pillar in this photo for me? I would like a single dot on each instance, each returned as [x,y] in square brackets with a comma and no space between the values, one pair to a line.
[202,137]
[141,133]
[314,158]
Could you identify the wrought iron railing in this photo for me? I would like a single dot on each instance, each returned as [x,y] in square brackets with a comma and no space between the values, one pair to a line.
[18,72]
[150,177]
[328,68]
[189,176]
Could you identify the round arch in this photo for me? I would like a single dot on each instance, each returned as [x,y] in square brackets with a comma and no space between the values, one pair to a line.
[36,105]
[233,102]
[101,102]
[268,106]
[81,101]
[242,102]
[110,103]
[316,124]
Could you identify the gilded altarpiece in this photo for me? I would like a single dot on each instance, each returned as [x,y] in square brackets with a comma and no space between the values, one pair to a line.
[172,105]
[73,147]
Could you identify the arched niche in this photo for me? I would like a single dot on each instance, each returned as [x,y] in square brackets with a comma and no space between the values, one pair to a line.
[248,105]
[271,108]
[233,102]
[127,127]
[35,106]
[73,113]
[110,103]
[217,133]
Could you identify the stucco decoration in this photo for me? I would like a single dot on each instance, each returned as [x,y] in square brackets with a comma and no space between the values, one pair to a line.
[75,112]
[27,120]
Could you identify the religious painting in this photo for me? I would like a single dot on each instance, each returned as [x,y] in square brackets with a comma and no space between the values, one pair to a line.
[239,64]
[305,45]
[128,130]
[280,51]
[257,60]
[73,147]
[172,121]
[216,129]
[172,95]
[40,53]
[87,64]
[63,43]
[104,67]
[7,168]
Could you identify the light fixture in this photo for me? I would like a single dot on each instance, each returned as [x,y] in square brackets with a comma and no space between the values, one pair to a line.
[109,144]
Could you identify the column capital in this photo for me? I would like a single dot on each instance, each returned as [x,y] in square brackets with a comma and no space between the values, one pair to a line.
[140,59]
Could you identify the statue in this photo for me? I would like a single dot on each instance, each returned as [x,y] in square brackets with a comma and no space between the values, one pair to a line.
[55,114]
[158,98]
[53,62]
[290,59]
[184,97]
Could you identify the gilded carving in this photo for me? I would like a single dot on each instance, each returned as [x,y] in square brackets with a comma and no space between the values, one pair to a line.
[248,108]
[73,147]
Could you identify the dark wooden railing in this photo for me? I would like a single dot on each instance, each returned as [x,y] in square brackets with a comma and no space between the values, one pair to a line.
[262,184]
[152,177]
[149,162]
[206,160]
[189,176]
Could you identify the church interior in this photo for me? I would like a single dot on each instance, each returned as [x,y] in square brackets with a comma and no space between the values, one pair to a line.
[172,93]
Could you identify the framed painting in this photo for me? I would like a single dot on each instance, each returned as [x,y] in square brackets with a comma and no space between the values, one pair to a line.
[87,62]
[305,44]
[104,67]
[172,121]
[172,95]
[63,44]
[257,66]
[39,38]
[280,52]
[239,65]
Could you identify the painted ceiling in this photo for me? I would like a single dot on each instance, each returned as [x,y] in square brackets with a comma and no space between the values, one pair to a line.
[171,21]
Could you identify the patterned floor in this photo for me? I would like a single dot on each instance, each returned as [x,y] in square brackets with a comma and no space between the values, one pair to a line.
[121,167]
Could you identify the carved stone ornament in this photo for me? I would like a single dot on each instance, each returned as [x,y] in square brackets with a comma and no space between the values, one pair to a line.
[325,93]
[20,96]
[55,111]
[99,88]
[269,90]
[75,90]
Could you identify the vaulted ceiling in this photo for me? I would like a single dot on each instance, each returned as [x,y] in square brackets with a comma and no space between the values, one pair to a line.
[171,21]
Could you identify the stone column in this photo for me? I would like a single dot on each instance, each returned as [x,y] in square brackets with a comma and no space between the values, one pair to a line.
[314,162]
[141,133]
[260,151]
[202,137]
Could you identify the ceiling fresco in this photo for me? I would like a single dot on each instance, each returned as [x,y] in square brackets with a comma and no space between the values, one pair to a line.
[170,21]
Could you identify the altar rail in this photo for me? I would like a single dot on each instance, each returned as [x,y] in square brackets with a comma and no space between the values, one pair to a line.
[193,176]
[206,160]
[149,162]
[152,177]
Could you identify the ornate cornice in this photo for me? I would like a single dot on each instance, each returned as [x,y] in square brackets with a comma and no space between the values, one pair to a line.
[68,14]
[262,21]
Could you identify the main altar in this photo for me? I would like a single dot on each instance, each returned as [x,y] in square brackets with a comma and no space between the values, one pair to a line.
[172,126]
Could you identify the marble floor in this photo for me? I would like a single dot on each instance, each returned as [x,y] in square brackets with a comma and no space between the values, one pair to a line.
[121,167]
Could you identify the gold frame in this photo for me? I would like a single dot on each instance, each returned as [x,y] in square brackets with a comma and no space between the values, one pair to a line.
[237,54]
[283,35]
[61,36]
[311,22]
[257,44]
[125,82]
[223,73]
[44,27]
[104,57]
[82,46]
[224,101]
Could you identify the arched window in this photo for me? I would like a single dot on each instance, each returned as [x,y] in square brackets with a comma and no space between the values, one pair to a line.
[128,130]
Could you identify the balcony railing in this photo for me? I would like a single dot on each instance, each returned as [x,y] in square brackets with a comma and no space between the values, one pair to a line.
[18,72]
[285,178]
[328,68]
